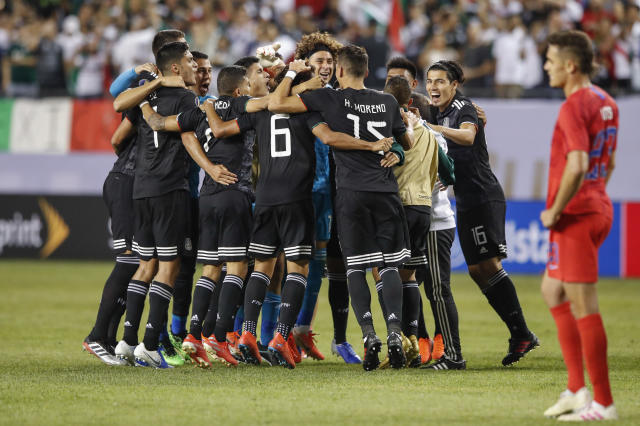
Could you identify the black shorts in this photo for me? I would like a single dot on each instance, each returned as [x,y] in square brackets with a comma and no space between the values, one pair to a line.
[161,225]
[117,193]
[289,227]
[481,232]
[418,222]
[225,227]
[372,229]
[191,239]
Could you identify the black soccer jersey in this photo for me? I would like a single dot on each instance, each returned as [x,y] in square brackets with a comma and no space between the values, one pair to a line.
[365,114]
[235,152]
[475,182]
[286,153]
[126,162]
[161,164]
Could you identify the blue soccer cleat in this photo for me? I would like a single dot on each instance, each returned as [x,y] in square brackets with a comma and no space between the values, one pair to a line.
[147,358]
[345,351]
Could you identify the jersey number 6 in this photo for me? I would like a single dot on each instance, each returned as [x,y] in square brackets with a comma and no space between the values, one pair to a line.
[275,132]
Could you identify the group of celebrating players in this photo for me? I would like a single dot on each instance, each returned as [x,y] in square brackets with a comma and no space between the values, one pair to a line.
[346,179]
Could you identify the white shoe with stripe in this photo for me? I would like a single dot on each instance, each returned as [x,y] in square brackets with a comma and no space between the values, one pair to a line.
[100,351]
[592,412]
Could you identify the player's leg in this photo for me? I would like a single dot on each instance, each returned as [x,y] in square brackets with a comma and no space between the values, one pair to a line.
[169,230]
[271,305]
[443,305]
[483,243]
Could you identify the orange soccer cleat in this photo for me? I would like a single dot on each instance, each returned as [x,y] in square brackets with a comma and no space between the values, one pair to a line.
[280,349]
[193,347]
[248,346]
[293,348]
[426,345]
[438,347]
[307,342]
[219,349]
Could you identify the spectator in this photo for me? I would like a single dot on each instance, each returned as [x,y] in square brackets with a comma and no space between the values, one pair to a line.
[477,61]
[50,67]
[378,50]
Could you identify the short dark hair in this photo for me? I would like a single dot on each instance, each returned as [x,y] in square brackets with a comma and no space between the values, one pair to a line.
[354,60]
[403,63]
[452,68]
[399,88]
[170,53]
[163,37]
[578,45]
[427,111]
[199,55]
[247,61]
[229,79]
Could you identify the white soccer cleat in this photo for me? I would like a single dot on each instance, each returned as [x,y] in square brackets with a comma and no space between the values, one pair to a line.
[99,350]
[569,402]
[125,352]
[147,358]
[592,412]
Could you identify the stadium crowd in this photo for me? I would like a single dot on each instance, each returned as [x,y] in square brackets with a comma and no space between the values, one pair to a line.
[76,47]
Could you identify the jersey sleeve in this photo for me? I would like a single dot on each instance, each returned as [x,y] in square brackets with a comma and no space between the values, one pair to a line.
[247,121]
[313,119]
[133,115]
[239,105]
[188,101]
[188,120]
[141,79]
[468,114]
[317,100]
[573,127]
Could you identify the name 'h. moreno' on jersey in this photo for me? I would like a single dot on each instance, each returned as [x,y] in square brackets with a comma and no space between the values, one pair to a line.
[475,182]
[234,152]
[587,121]
[286,154]
[364,114]
[161,165]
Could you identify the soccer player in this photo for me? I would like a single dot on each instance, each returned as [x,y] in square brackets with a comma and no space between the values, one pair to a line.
[160,199]
[284,216]
[579,215]
[371,227]
[480,203]
[416,179]
[117,195]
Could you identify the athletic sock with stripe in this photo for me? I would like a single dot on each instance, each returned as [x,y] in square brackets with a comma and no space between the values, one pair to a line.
[136,295]
[159,297]
[292,295]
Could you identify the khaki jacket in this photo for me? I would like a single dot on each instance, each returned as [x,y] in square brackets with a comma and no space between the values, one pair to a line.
[417,176]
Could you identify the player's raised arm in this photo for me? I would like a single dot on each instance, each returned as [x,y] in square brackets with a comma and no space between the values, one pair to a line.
[219,128]
[344,141]
[159,122]
[218,172]
[258,104]
[280,101]
[133,97]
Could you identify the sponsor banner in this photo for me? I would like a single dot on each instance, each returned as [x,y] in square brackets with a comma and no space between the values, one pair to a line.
[94,121]
[6,105]
[54,227]
[528,242]
[631,240]
[40,126]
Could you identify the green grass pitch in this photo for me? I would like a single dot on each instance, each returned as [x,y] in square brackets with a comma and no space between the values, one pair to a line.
[47,308]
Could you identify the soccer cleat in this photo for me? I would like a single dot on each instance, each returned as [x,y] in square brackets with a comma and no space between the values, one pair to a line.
[147,358]
[372,347]
[445,363]
[438,347]
[426,346]
[345,350]
[194,349]
[176,341]
[591,412]
[413,351]
[268,358]
[518,348]
[248,346]
[569,402]
[232,339]
[397,357]
[293,348]
[170,355]
[280,349]
[307,342]
[219,349]
[100,351]
[125,352]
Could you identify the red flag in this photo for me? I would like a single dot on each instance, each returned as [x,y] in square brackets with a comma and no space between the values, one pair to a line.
[395,24]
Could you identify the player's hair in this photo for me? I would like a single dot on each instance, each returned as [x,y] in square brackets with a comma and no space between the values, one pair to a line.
[301,77]
[170,53]
[354,60]
[403,63]
[199,55]
[452,68]
[163,37]
[578,45]
[229,79]
[399,88]
[315,42]
[247,61]
[421,102]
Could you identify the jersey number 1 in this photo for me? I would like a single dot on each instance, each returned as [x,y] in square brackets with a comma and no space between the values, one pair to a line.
[284,132]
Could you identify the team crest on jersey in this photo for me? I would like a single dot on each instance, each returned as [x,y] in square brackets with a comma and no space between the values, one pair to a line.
[445,122]
[188,246]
